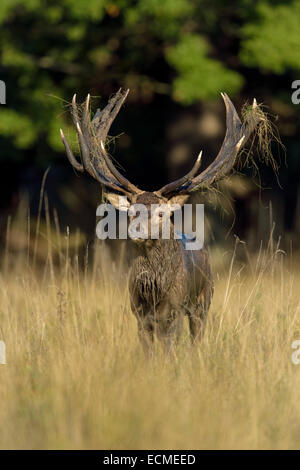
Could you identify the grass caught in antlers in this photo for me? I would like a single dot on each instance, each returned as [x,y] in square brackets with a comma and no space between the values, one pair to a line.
[263,138]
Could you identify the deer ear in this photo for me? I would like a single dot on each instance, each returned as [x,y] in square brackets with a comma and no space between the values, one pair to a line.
[178,199]
[119,202]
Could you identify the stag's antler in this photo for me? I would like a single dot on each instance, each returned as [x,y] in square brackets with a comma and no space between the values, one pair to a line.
[92,135]
[236,136]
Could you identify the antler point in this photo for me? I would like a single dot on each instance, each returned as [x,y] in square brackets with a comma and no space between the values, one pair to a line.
[238,145]
[78,127]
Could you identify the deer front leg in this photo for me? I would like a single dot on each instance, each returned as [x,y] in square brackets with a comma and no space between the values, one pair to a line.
[169,326]
[198,313]
[145,325]
[146,336]
[197,322]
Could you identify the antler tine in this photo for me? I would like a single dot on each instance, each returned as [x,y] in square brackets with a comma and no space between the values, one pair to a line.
[233,122]
[172,187]
[74,112]
[69,153]
[85,154]
[85,117]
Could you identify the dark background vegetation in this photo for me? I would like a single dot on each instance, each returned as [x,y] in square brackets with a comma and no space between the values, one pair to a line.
[176,56]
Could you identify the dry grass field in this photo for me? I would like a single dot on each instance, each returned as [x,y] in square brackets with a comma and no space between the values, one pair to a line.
[76,376]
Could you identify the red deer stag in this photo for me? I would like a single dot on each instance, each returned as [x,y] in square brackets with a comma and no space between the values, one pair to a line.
[166,280]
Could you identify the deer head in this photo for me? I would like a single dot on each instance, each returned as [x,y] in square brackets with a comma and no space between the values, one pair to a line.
[95,160]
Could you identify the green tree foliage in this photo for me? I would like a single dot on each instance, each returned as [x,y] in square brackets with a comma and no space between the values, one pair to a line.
[271,42]
[199,76]
[189,50]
